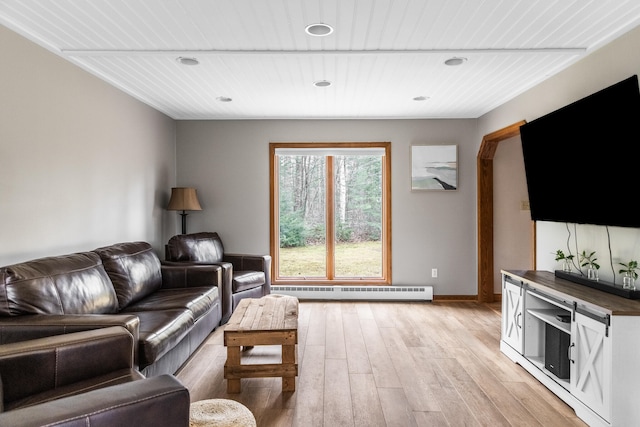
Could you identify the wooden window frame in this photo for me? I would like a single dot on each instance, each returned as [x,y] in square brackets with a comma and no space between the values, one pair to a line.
[386,215]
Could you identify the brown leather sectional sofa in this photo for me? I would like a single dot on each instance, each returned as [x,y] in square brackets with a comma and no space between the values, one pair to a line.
[168,309]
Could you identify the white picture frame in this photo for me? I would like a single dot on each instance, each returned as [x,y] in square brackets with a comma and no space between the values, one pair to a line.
[434,167]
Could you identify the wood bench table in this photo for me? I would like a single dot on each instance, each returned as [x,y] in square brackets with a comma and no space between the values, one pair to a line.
[270,320]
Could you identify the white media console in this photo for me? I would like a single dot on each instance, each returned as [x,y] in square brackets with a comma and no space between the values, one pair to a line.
[600,344]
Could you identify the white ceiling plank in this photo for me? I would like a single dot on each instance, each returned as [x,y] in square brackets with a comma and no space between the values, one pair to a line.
[382,54]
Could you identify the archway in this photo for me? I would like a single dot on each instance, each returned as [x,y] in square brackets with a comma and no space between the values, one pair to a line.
[486,154]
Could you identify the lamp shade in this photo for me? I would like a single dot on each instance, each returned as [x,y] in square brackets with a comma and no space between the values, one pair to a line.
[184,199]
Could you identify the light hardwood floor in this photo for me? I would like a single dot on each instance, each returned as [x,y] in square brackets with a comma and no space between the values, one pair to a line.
[388,364]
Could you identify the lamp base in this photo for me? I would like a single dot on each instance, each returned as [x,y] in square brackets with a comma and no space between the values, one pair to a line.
[184,222]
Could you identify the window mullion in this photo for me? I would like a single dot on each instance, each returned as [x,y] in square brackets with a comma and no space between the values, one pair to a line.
[330,219]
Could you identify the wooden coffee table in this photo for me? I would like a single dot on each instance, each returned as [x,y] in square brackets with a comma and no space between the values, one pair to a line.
[270,320]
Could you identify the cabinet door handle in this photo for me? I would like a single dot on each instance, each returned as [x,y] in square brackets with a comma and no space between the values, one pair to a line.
[569,353]
[518,317]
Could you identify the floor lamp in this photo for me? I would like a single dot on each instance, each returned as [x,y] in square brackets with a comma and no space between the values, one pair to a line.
[184,199]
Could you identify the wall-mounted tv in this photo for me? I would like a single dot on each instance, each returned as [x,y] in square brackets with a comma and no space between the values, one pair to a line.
[582,162]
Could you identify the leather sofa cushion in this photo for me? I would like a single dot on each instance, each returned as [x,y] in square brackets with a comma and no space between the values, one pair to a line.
[204,247]
[243,280]
[67,284]
[160,331]
[134,269]
[198,300]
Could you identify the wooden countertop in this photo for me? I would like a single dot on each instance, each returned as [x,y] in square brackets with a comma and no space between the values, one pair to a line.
[547,282]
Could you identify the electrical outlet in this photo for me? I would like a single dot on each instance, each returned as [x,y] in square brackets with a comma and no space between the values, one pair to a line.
[434,272]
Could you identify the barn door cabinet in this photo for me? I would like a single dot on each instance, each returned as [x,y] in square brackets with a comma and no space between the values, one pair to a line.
[581,343]
[512,311]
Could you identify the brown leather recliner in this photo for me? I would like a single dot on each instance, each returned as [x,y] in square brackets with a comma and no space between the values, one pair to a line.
[85,378]
[243,275]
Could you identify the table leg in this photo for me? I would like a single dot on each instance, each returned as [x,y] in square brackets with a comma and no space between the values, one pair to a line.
[233,359]
[289,358]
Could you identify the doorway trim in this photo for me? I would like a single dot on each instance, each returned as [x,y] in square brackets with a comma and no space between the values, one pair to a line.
[485,157]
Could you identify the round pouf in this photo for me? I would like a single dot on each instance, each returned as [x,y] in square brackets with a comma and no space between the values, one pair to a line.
[220,413]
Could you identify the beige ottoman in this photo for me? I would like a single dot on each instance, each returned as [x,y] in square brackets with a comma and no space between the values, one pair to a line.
[220,412]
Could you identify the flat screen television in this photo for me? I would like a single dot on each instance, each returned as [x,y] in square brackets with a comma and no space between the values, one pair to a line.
[582,161]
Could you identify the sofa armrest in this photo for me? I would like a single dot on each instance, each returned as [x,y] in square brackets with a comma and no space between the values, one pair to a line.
[28,327]
[43,369]
[187,275]
[244,262]
[151,402]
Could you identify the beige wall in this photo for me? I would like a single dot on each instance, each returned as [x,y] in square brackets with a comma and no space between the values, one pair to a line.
[82,163]
[606,66]
[228,163]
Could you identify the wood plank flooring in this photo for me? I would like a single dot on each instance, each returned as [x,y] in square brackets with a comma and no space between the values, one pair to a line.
[388,364]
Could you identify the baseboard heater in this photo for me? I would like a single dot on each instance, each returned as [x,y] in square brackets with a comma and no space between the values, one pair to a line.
[364,293]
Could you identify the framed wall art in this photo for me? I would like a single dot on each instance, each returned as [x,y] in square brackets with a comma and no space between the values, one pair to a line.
[434,167]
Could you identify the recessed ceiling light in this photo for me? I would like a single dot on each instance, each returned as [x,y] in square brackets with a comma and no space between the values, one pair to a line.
[420,98]
[187,61]
[224,99]
[319,30]
[455,61]
[322,83]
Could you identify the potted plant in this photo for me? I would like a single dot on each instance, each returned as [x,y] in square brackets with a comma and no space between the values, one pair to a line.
[566,260]
[630,274]
[589,261]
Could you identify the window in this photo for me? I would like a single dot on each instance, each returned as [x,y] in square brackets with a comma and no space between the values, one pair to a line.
[330,213]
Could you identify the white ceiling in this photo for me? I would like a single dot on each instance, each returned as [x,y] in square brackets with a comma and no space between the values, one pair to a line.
[382,54]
